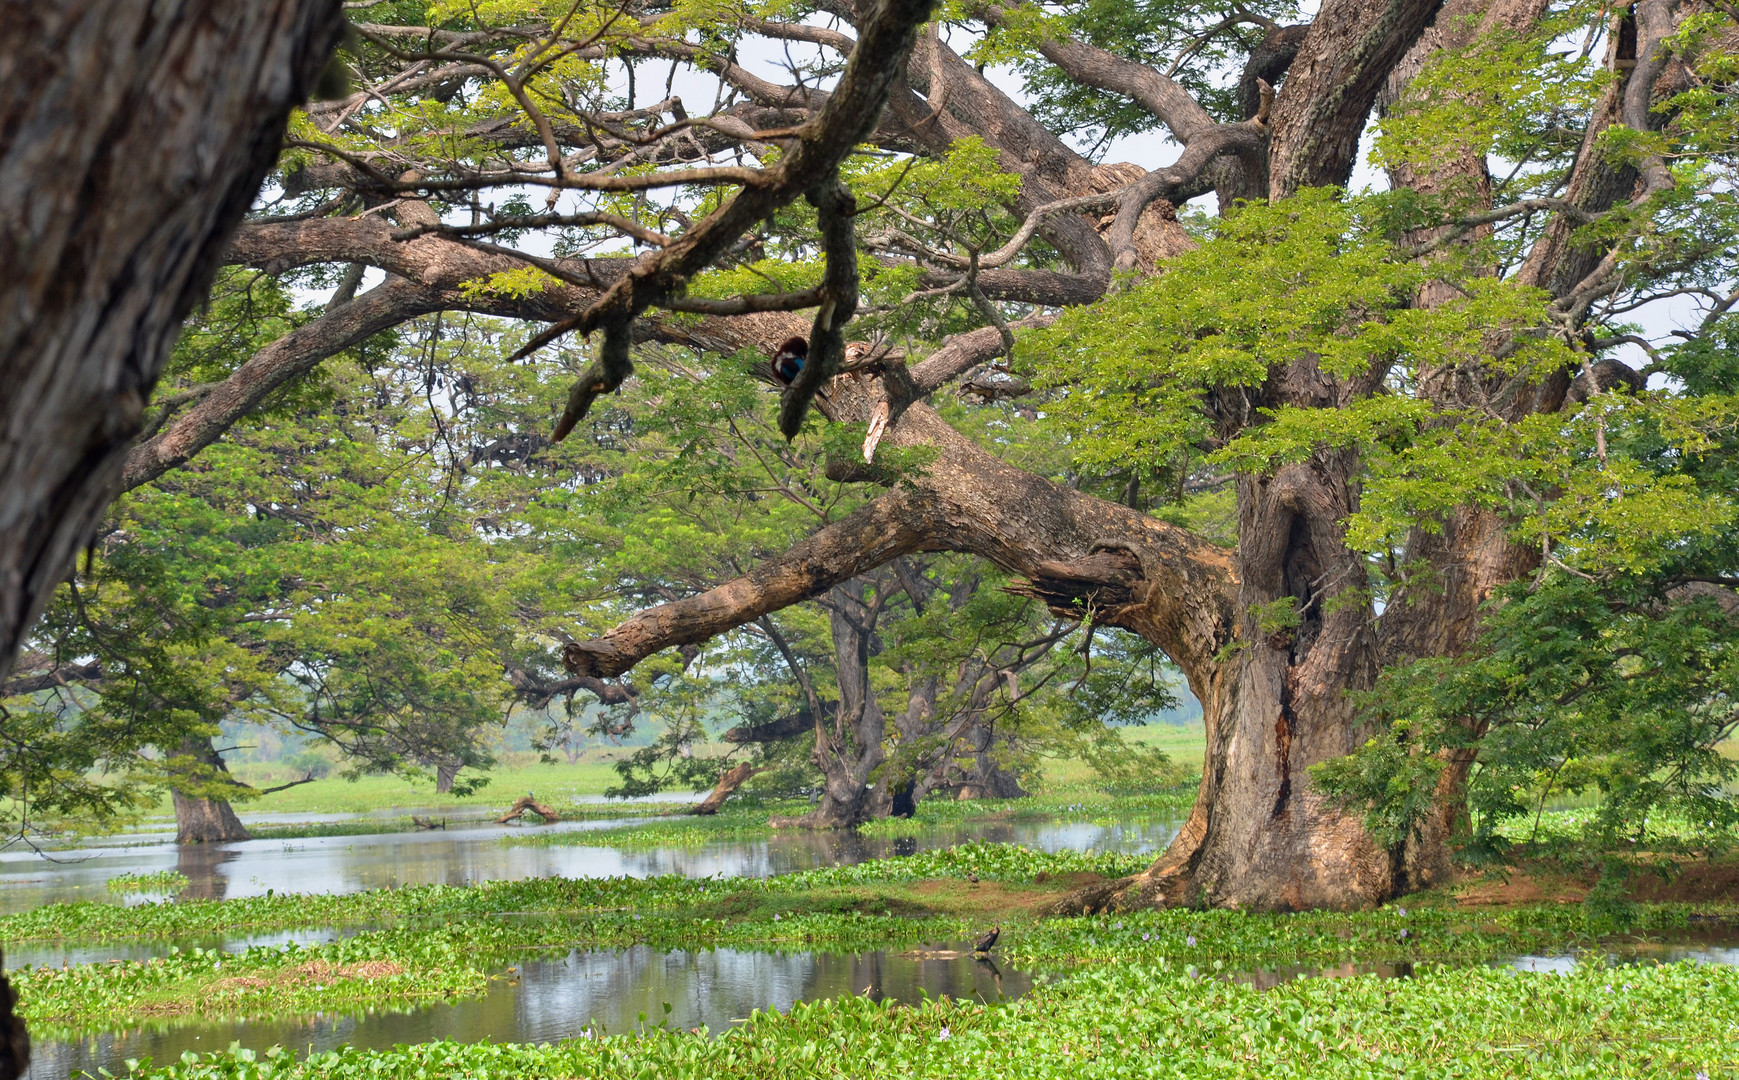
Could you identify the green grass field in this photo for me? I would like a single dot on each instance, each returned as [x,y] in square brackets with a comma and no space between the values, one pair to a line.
[560,783]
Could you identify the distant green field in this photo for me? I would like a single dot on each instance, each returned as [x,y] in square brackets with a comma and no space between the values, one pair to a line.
[561,782]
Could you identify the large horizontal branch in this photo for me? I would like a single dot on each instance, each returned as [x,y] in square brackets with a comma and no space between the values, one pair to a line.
[295,354]
[872,536]
[1169,585]
[963,352]
[49,680]
[538,692]
[428,274]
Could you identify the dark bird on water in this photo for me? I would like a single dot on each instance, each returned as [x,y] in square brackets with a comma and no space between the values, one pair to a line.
[988,941]
[788,361]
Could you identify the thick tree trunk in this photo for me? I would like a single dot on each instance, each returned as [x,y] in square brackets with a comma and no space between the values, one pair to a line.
[445,773]
[133,136]
[199,819]
[14,1039]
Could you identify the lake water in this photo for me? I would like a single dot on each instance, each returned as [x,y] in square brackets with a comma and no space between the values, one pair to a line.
[604,991]
[485,852]
[608,991]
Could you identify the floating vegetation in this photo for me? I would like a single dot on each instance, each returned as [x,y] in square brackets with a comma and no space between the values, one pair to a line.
[1155,1018]
[434,942]
[155,882]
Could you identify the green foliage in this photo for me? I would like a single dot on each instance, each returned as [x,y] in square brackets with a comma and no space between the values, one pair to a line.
[157,881]
[1160,1000]
[1315,278]
[1578,687]
[364,564]
[1664,1021]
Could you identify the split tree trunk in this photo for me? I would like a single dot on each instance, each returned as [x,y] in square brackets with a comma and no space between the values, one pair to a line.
[133,136]
[848,742]
[1258,837]
[199,819]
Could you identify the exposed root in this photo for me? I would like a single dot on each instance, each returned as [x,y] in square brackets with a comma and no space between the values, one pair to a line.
[1134,893]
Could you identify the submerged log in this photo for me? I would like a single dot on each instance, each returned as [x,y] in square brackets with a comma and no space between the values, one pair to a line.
[526,802]
[428,823]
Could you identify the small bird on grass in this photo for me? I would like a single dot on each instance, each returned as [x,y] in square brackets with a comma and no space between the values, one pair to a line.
[988,941]
[972,875]
[788,361]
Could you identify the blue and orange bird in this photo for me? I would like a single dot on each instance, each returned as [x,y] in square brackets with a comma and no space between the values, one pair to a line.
[788,361]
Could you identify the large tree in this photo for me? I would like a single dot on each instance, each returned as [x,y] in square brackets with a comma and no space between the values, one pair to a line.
[1297,376]
[133,137]
[1394,388]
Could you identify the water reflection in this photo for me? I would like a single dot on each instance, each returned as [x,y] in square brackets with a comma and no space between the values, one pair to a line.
[342,864]
[1710,946]
[609,991]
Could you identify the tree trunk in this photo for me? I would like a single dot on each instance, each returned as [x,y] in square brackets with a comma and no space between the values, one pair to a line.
[14,1039]
[133,137]
[849,743]
[729,781]
[199,819]
[1257,836]
[445,773]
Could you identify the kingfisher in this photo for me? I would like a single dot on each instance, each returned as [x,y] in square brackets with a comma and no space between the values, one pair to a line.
[788,361]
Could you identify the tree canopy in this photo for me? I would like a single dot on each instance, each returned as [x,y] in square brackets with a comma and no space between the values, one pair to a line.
[1420,483]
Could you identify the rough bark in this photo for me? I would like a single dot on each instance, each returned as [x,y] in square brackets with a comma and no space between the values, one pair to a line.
[445,773]
[133,137]
[729,781]
[200,819]
[528,802]
[14,1039]
[1331,84]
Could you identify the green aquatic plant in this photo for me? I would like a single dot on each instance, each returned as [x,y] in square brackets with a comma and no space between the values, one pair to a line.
[156,881]
[1151,1019]
[446,941]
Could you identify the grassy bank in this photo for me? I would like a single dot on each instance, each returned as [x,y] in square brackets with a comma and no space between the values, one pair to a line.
[559,783]
[747,820]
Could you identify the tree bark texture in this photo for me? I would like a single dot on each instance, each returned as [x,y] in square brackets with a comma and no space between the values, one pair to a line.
[133,137]
[729,781]
[445,773]
[14,1039]
[203,820]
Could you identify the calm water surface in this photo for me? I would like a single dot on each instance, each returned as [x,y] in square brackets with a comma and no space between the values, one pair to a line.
[484,852]
[605,991]
[599,990]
